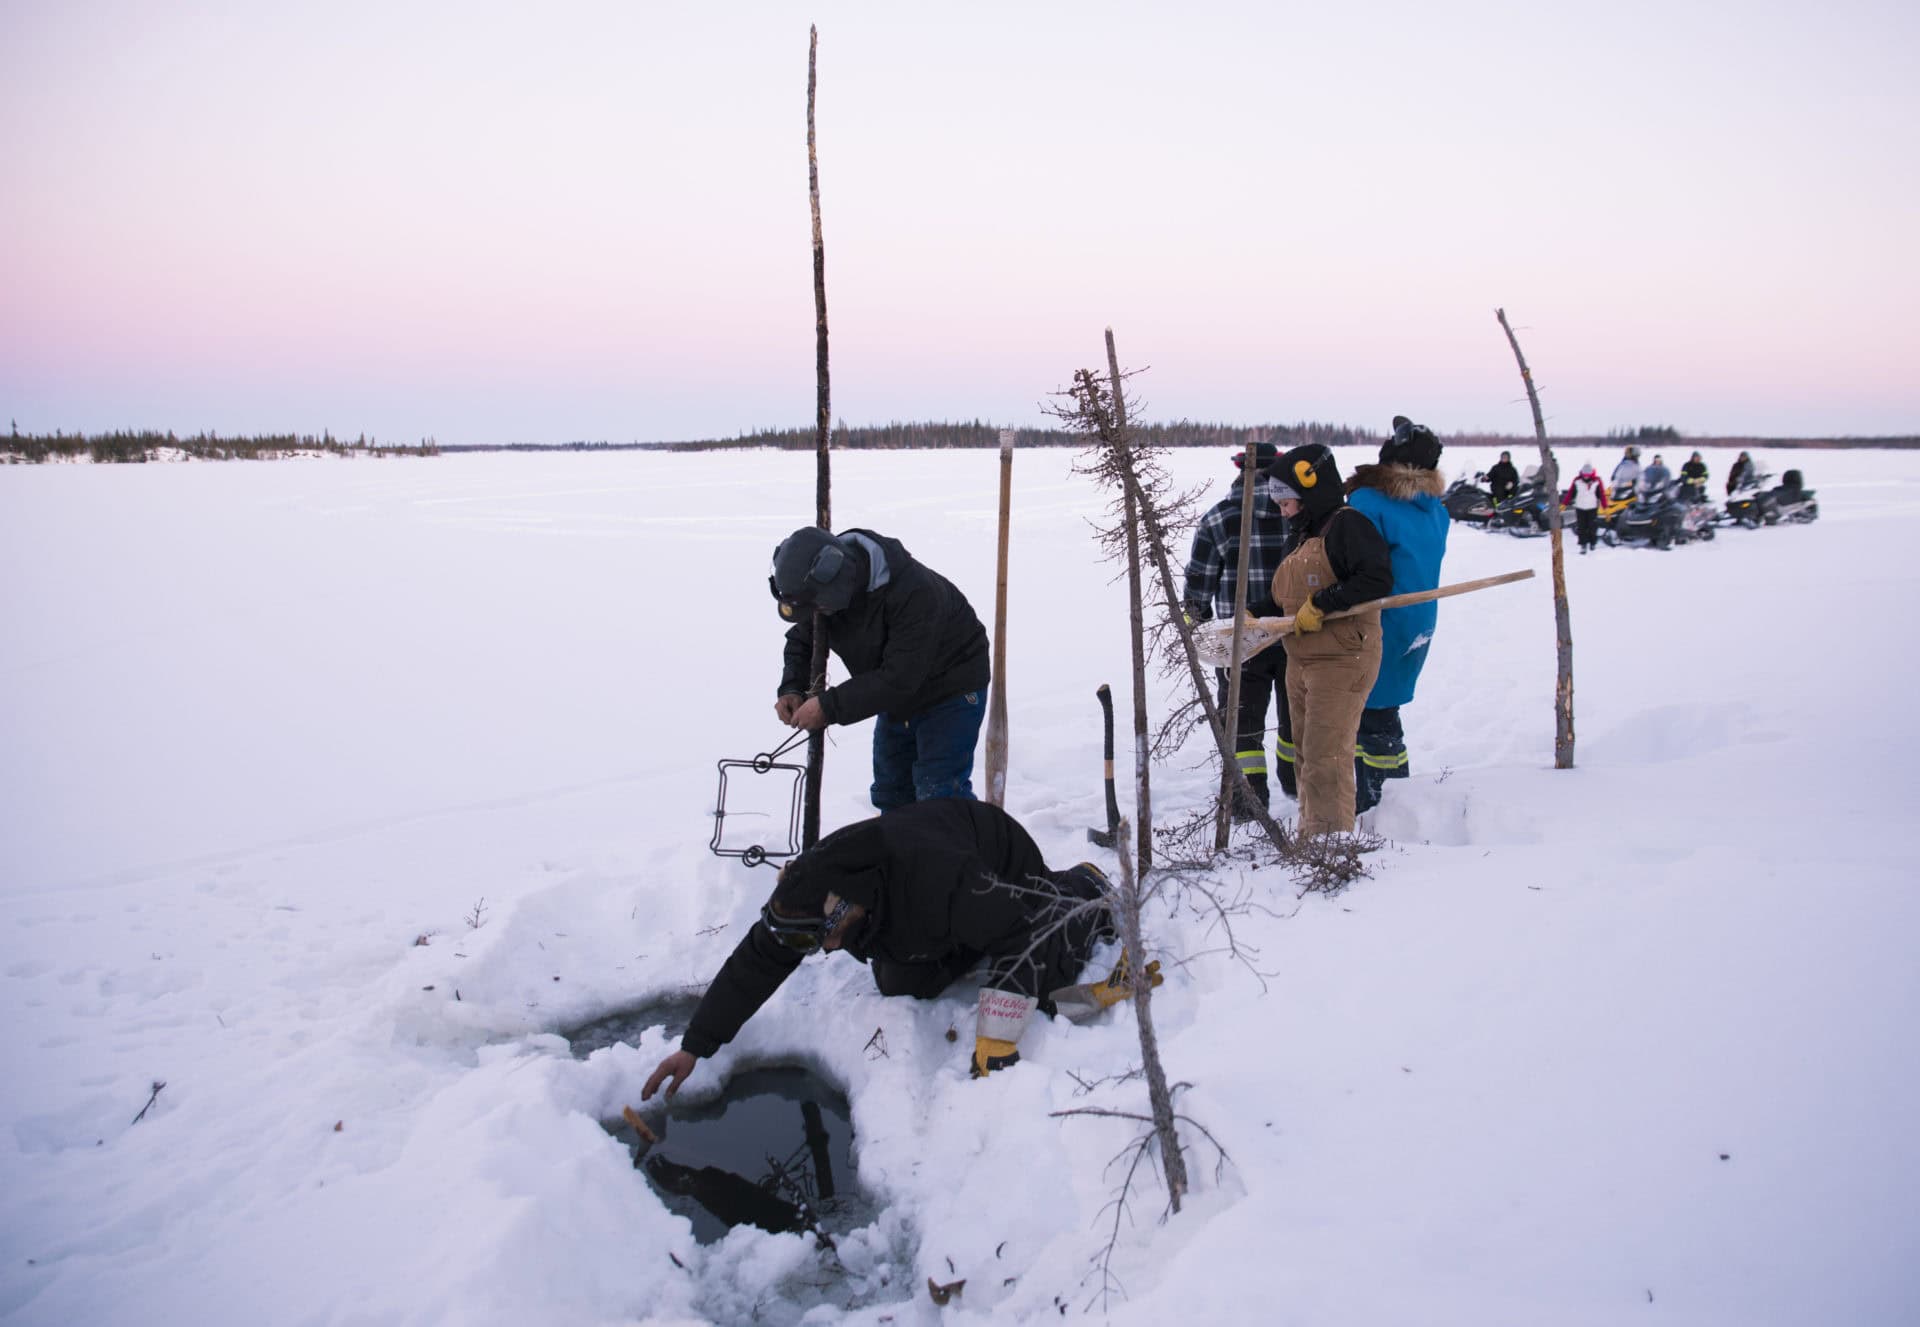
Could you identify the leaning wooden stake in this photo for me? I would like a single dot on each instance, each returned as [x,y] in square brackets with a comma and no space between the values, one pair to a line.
[1159,1096]
[1249,485]
[822,485]
[997,694]
[1136,623]
[1562,620]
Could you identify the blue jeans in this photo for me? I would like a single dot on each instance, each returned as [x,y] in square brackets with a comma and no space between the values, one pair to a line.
[928,756]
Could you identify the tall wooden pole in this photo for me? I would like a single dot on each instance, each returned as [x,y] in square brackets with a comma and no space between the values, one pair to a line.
[997,696]
[1249,485]
[1142,785]
[822,486]
[1562,620]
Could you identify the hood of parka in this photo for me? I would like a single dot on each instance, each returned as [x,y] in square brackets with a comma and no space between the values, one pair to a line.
[1399,482]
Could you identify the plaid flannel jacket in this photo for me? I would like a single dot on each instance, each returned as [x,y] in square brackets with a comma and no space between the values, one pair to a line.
[1216,556]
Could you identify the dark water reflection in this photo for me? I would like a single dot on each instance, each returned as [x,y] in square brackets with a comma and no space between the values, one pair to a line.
[775,1150]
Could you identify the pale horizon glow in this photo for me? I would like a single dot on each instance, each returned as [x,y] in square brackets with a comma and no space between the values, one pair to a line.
[487,223]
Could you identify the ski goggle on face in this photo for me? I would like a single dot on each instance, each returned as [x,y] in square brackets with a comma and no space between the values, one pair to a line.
[804,934]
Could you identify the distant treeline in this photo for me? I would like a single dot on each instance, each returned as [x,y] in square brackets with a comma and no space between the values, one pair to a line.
[134,448]
[148,445]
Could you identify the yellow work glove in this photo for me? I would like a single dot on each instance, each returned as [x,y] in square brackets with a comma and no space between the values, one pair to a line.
[1308,618]
[1118,985]
[990,1053]
[1002,1017]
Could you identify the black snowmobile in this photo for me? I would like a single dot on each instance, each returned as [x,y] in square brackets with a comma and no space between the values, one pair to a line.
[1793,501]
[1659,519]
[1752,504]
[1525,513]
[1468,500]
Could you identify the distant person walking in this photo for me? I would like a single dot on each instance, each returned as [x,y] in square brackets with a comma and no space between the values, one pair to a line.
[1335,560]
[1212,568]
[915,653]
[1585,495]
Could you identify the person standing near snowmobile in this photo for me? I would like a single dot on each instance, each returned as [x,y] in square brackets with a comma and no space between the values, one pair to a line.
[1585,495]
[1741,475]
[1211,569]
[914,650]
[921,895]
[1626,475]
[1335,560]
[1401,497]
[1654,479]
[1693,479]
[1503,480]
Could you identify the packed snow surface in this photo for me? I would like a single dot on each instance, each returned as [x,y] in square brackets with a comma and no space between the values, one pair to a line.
[334,790]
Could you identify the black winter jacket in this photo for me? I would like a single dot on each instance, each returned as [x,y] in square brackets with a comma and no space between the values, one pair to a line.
[908,644]
[1356,550]
[940,881]
[1503,479]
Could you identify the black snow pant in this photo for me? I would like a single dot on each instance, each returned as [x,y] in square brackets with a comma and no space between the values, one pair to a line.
[1263,680]
[1586,526]
[1379,754]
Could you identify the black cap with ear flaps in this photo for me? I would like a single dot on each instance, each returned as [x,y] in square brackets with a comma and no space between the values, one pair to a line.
[812,569]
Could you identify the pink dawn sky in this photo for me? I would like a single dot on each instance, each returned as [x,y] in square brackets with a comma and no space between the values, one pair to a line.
[493,222]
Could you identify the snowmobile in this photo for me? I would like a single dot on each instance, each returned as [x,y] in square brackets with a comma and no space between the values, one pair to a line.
[1657,519]
[1752,504]
[1468,500]
[1525,513]
[1793,501]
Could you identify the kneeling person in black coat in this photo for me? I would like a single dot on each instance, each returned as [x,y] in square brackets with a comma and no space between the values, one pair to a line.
[921,895]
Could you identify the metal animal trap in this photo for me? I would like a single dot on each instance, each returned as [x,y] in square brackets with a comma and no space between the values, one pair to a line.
[765,810]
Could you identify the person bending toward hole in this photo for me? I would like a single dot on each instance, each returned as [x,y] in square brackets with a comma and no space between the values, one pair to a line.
[922,894]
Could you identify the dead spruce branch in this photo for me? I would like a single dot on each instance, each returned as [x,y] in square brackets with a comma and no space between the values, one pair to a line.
[1562,621]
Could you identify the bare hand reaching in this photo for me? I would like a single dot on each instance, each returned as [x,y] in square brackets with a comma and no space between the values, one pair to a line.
[675,1068]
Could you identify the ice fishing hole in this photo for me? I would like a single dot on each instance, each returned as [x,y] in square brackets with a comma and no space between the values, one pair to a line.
[774,1150]
[671,1014]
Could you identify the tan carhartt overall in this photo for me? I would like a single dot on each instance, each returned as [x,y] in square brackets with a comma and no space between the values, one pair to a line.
[1329,673]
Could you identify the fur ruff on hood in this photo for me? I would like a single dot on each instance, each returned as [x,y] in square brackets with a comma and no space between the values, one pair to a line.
[1399,482]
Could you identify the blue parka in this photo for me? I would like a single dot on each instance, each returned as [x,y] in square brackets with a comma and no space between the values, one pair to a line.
[1403,502]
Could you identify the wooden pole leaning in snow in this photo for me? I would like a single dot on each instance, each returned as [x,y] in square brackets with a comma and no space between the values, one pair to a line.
[997,693]
[1136,624]
[822,488]
[1249,485]
[1159,1096]
[1562,619]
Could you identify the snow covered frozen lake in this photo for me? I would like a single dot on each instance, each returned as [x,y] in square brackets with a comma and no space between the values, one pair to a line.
[1633,1042]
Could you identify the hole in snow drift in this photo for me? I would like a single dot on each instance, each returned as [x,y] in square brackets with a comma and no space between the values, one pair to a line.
[774,1150]
[672,1014]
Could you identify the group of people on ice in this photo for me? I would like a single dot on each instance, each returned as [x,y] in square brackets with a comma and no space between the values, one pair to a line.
[939,882]
[1587,496]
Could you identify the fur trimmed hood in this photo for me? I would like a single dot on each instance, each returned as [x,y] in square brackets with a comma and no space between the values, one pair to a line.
[1399,482]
